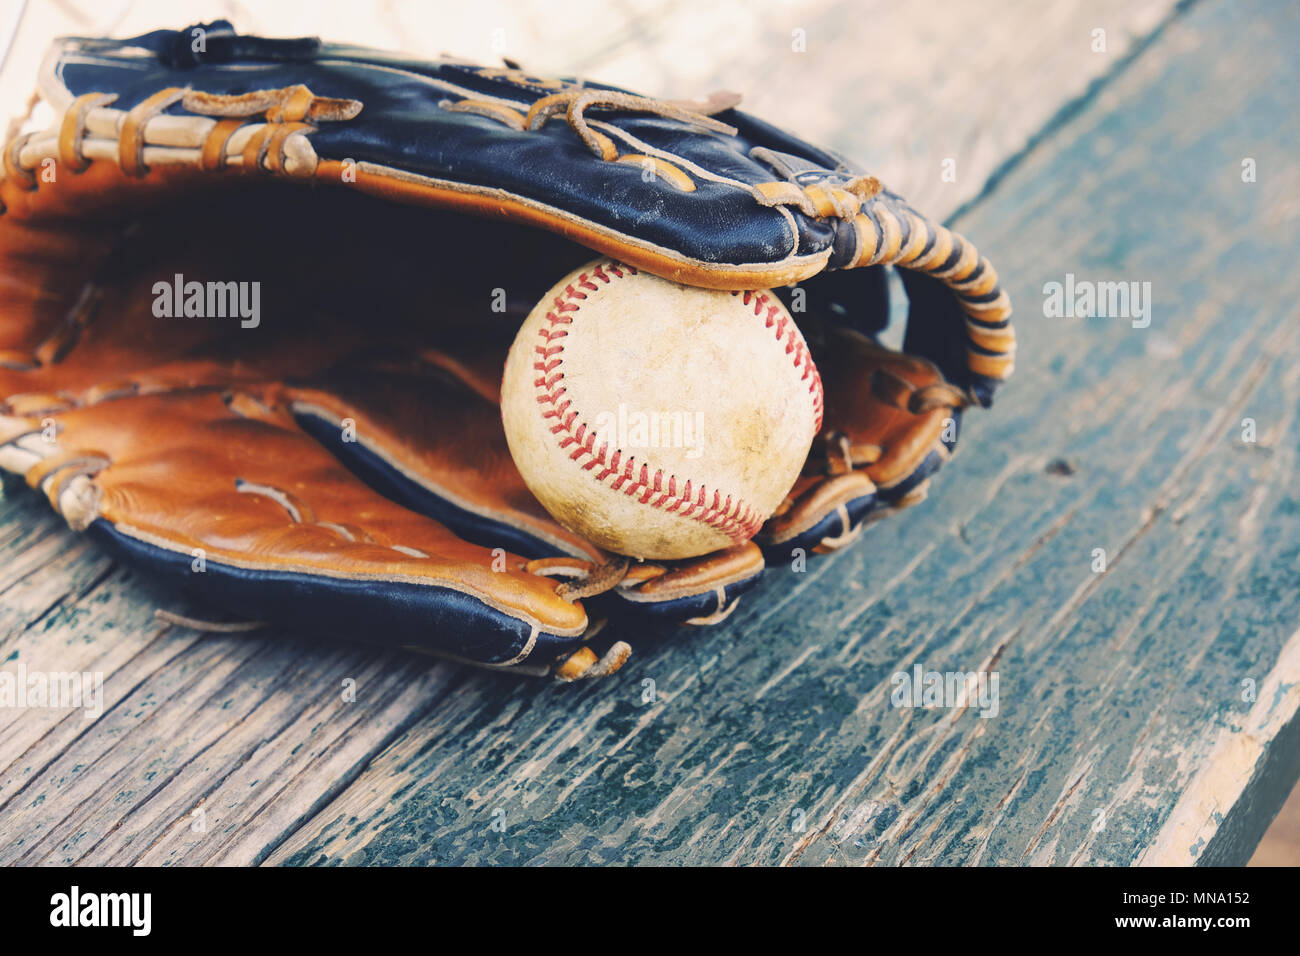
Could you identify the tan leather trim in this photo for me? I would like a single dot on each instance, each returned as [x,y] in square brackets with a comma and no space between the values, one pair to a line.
[995,311]
[41,472]
[815,504]
[495,111]
[966,262]
[275,144]
[991,366]
[656,582]
[663,169]
[290,104]
[830,201]
[131,138]
[868,241]
[294,108]
[255,149]
[15,172]
[560,567]
[380,182]
[893,235]
[73,128]
[996,340]
[213,157]
[784,194]
[985,280]
[576,664]
[608,151]
[35,403]
[939,252]
[918,232]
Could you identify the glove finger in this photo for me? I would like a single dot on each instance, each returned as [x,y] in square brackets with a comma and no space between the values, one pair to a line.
[821,513]
[697,592]
[891,421]
[423,438]
[428,434]
[231,499]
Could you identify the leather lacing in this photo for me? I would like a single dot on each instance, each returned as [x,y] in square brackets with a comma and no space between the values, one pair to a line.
[610,575]
[843,454]
[893,389]
[602,578]
[574,104]
[583,582]
[287,111]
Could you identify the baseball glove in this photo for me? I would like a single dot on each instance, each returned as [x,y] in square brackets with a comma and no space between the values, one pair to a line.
[255,297]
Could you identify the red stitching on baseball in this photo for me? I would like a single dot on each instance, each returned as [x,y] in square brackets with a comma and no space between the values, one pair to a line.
[733,518]
[795,346]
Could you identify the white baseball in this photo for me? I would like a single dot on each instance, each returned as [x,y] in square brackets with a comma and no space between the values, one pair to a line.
[659,420]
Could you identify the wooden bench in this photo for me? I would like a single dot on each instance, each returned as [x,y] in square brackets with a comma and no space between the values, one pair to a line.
[1146,713]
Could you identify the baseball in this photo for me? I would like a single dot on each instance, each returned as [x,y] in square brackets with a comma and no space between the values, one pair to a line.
[659,420]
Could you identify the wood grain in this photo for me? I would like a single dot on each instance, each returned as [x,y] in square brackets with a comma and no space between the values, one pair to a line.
[256,733]
[772,739]
[1117,689]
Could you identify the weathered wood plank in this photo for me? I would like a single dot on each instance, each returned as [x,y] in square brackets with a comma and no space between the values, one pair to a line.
[255,732]
[1118,690]
[787,707]
[904,88]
